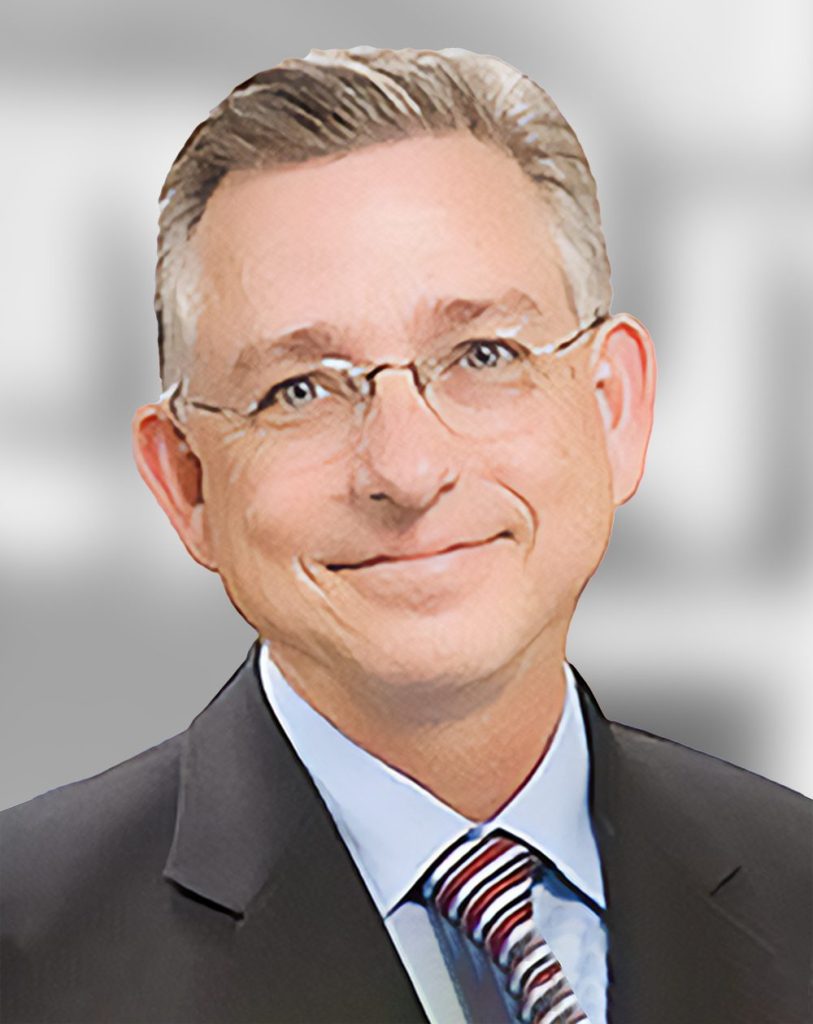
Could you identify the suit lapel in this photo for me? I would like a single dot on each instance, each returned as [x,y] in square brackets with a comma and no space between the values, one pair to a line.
[253,837]
[678,948]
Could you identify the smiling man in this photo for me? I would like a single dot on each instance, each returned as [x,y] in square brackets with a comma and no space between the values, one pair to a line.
[398,418]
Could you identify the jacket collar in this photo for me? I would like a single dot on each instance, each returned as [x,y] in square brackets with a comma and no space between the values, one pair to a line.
[243,796]
[676,881]
[247,807]
[248,815]
[633,799]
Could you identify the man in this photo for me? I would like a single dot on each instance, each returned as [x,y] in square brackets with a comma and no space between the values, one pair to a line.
[398,417]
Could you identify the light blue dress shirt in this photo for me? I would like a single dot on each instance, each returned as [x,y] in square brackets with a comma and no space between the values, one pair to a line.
[395,829]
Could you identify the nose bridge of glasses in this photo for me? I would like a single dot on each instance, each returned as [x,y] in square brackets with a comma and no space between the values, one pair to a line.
[413,368]
[389,374]
[403,400]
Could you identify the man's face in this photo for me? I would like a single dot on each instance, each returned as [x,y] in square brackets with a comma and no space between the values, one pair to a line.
[341,551]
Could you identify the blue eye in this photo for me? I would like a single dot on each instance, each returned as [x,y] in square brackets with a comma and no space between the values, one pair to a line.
[482,355]
[295,392]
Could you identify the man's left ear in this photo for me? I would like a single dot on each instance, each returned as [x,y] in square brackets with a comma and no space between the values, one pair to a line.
[624,385]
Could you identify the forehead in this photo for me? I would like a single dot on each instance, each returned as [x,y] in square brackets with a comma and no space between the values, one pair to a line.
[377,245]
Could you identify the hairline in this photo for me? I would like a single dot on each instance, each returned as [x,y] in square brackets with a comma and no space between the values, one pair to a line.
[192,261]
[566,187]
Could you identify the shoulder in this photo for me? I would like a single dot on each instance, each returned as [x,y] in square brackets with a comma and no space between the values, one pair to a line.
[638,774]
[79,834]
[100,800]
[674,785]
[701,777]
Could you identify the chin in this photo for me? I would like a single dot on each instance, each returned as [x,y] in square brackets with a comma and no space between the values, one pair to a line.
[440,652]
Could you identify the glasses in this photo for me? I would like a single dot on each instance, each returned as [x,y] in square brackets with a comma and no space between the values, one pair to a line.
[478,388]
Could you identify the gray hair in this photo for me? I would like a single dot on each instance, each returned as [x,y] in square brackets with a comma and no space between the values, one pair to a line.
[335,101]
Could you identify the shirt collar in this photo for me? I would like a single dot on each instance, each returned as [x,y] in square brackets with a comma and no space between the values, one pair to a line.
[395,829]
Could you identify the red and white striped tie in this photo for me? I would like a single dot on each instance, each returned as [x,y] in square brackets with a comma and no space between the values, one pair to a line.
[483,886]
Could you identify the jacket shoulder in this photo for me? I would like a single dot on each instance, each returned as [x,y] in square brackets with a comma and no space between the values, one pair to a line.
[76,834]
[709,795]
[668,759]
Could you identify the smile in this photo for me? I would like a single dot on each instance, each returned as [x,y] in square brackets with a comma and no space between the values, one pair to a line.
[419,555]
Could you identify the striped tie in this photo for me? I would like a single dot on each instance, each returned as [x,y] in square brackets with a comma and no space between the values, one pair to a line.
[483,886]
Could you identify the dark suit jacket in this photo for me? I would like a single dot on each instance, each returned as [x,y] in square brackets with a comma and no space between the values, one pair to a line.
[204,881]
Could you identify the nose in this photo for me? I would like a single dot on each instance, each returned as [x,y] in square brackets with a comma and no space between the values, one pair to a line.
[405,456]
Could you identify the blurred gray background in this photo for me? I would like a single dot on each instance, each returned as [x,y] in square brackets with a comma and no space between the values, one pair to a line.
[698,122]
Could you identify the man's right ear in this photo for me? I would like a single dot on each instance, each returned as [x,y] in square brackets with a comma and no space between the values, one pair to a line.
[172,472]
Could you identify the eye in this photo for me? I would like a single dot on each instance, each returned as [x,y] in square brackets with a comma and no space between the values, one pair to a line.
[481,355]
[296,392]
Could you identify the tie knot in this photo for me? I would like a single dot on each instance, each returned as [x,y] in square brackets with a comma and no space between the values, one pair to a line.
[483,886]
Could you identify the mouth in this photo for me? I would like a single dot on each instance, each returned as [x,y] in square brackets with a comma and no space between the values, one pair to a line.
[419,555]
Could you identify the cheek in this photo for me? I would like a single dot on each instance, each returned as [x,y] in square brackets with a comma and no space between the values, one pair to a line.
[258,509]
[559,469]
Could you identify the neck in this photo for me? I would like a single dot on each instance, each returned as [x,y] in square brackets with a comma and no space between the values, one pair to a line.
[479,746]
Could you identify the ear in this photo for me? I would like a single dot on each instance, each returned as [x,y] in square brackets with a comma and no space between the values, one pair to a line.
[172,472]
[624,381]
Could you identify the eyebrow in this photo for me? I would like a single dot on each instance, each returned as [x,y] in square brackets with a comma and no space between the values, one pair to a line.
[310,341]
[459,312]
[319,339]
